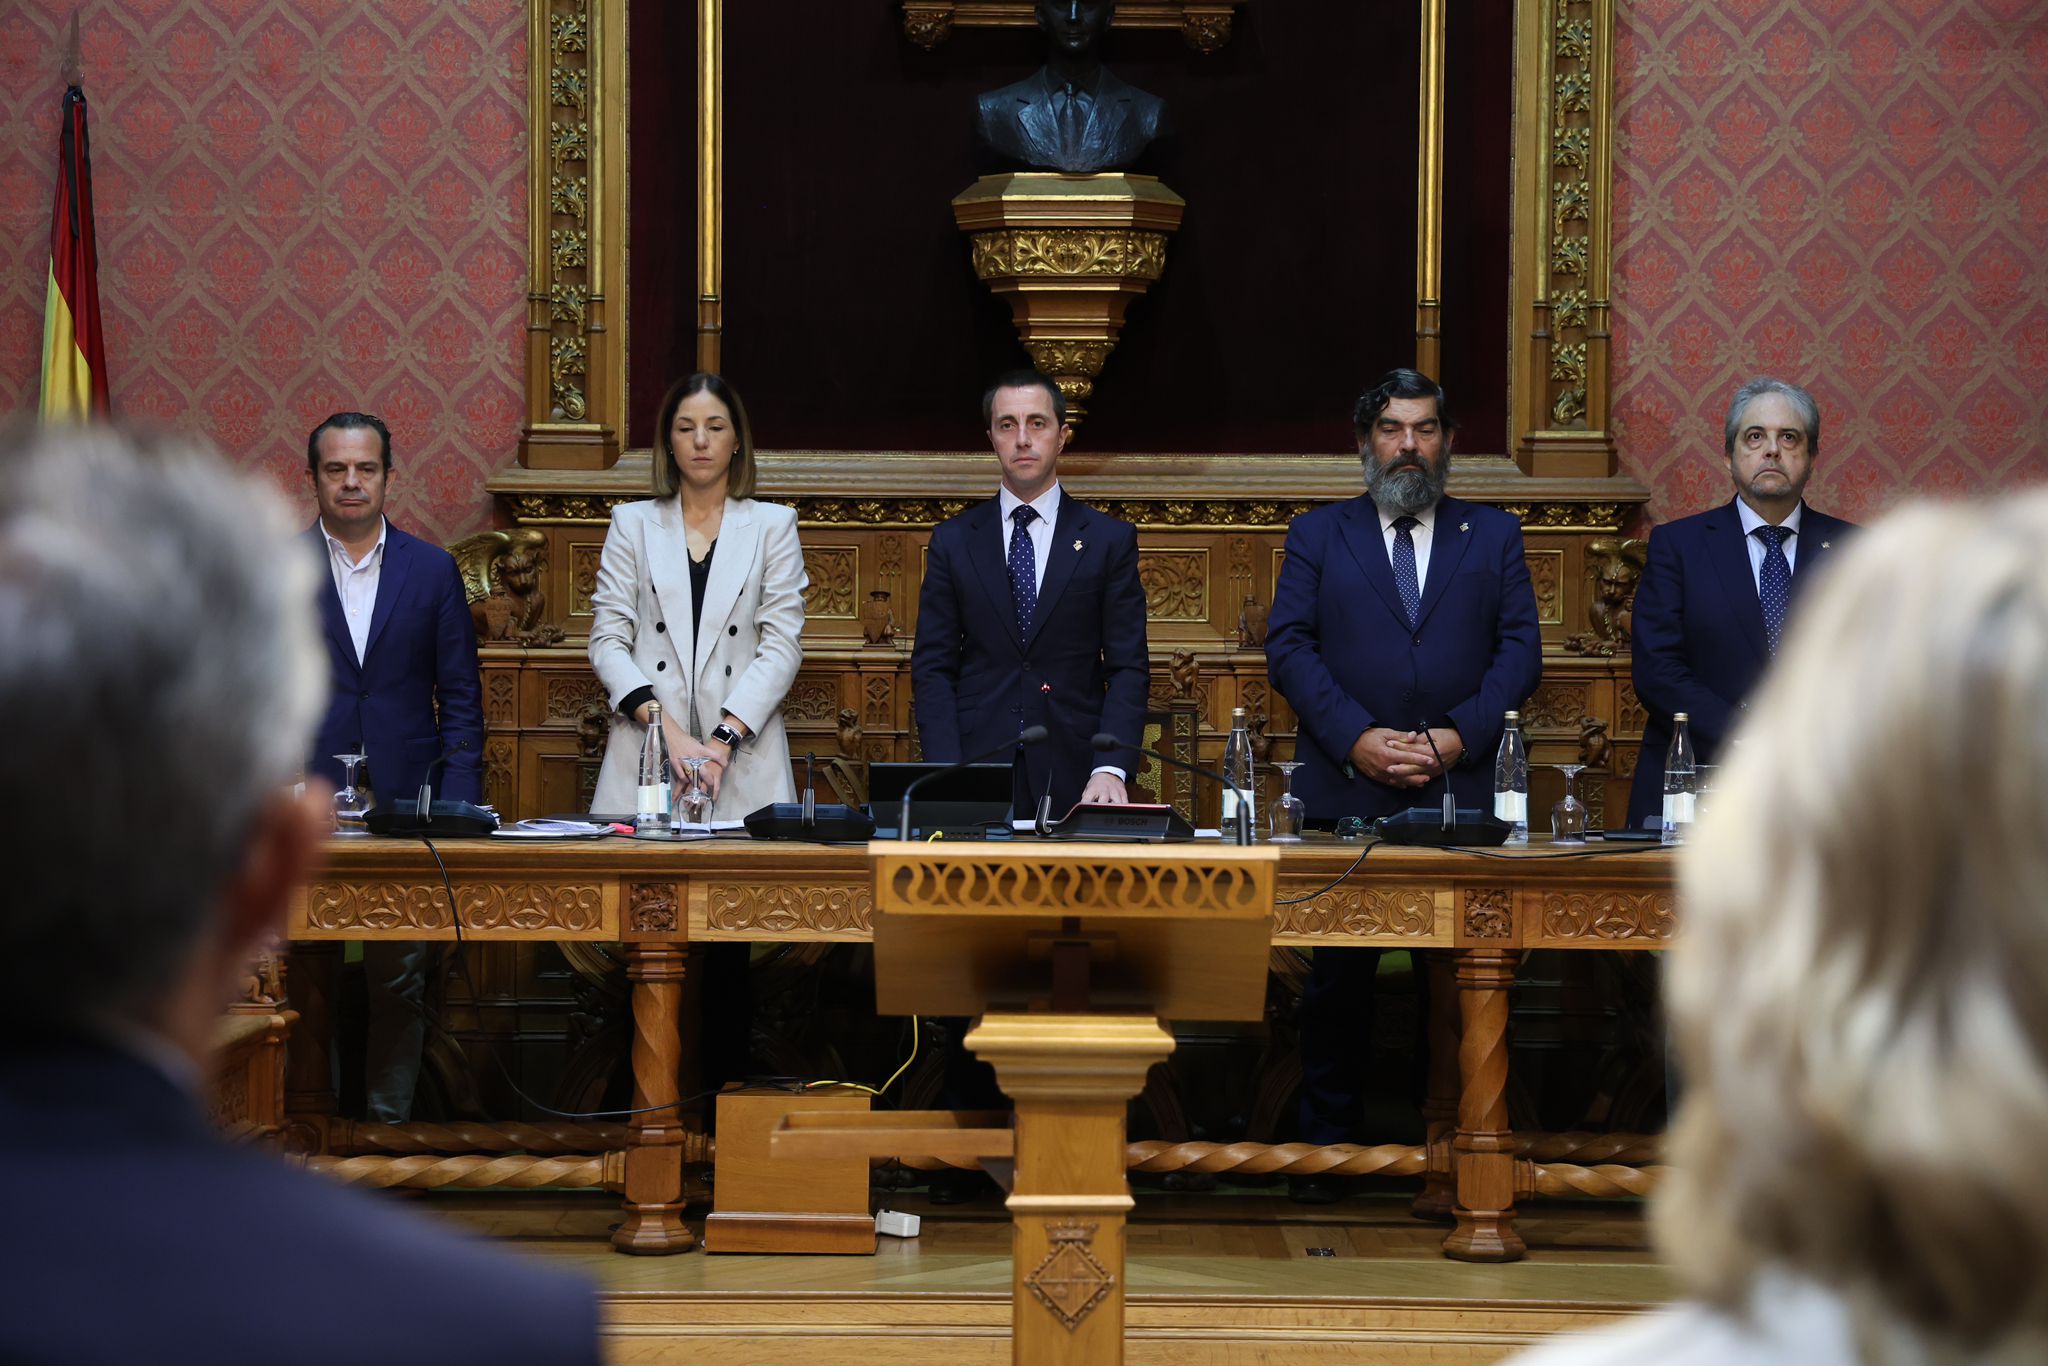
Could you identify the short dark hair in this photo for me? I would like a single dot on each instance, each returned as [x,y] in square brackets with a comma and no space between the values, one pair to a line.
[1399,383]
[345,422]
[740,475]
[1023,379]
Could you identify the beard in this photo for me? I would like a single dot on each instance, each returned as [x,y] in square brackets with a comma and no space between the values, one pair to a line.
[1405,488]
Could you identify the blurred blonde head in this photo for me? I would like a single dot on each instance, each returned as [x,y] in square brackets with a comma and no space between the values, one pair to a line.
[1860,991]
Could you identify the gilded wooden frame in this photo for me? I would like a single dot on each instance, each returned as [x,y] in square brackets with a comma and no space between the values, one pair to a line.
[1558,373]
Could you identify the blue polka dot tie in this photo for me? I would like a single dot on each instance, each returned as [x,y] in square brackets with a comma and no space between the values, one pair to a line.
[1774,583]
[1023,566]
[1406,581]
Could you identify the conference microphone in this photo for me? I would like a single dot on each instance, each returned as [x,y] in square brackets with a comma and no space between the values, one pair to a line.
[425,816]
[1447,825]
[1241,831]
[1030,735]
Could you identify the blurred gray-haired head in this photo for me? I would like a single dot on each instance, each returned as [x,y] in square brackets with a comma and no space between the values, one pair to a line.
[161,675]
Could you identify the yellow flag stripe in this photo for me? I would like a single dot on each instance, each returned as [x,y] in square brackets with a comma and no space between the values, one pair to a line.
[67,378]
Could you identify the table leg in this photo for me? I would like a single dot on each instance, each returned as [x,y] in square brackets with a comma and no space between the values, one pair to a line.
[1483,1151]
[312,975]
[653,1223]
[1440,1108]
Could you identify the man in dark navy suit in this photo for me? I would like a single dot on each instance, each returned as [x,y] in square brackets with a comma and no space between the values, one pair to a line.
[1400,612]
[1031,614]
[163,649]
[405,692]
[1717,586]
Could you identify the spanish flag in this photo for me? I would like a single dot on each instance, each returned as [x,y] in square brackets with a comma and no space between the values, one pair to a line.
[74,347]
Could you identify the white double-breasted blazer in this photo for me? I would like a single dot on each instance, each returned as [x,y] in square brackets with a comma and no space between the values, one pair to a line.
[747,648]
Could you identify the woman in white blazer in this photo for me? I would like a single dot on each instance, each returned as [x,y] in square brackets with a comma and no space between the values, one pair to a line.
[699,606]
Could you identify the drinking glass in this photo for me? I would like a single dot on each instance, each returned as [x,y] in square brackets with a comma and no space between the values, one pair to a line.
[1289,811]
[693,799]
[1568,817]
[351,804]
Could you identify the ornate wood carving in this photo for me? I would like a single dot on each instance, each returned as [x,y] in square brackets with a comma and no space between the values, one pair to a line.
[1204,24]
[570,695]
[651,907]
[1609,915]
[1176,584]
[881,701]
[1489,913]
[570,908]
[501,697]
[1546,570]
[834,572]
[584,558]
[1408,911]
[1629,712]
[813,697]
[1070,1282]
[781,908]
[1556,706]
[1614,566]
[1009,881]
[501,783]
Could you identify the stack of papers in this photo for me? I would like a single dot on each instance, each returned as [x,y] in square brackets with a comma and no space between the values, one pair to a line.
[551,828]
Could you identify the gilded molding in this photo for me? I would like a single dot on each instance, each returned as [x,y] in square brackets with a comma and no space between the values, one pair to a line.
[1119,253]
[568,148]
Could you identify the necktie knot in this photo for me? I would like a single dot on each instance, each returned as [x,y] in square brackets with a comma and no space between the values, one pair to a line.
[1773,535]
[1407,523]
[1024,514]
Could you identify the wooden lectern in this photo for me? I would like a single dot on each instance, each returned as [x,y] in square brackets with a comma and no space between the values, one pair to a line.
[1070,954]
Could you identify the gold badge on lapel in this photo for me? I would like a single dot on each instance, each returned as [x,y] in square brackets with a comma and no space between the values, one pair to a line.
[1827,545]
[1077,545]
[1464,526]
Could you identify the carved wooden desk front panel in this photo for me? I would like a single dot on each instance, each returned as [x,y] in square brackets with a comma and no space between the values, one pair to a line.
[1484,909]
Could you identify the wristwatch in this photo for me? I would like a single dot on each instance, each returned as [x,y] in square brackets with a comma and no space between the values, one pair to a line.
[727,736]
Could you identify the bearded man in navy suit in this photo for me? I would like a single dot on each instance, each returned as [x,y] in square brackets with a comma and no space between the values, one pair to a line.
[1717,586]
[1403,630]
[405,692]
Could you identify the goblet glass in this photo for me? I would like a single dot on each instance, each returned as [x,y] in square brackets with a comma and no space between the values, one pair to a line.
[1568,817]
[693,799]
[1289,811]
[351,804]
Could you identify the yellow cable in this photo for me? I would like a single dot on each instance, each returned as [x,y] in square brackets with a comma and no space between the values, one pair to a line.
[877,1090]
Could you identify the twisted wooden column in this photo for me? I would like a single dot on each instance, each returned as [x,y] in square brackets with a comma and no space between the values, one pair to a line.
[475,1171]
[654,1152]
[1483,1151]
[1440,1107]
[351,1137]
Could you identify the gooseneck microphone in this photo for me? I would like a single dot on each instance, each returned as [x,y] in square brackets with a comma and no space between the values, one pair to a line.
[1030,735]
[1443,771]
[1241,828]
[1450,826]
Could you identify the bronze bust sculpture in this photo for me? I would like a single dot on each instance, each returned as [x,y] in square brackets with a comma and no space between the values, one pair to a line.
[1072,115]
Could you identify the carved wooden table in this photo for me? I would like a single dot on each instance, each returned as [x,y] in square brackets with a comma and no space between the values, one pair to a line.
[1481,910]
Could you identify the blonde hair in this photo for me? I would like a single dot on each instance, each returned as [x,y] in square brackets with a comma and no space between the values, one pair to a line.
[1860,987]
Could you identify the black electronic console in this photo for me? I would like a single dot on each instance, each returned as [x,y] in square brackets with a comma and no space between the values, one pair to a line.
[1428,825]
[826,823]
[455,820]
[1139,823]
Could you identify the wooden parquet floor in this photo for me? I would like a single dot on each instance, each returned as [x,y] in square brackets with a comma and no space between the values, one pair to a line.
[1224,1278]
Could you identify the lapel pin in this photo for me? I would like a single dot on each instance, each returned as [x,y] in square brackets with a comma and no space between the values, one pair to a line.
[1827,545]
[1464,526]
[1077,545]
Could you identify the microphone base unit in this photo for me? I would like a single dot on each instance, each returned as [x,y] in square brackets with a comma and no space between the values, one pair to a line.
[1142,823]
[1424,825]
[833,822]
[451,820]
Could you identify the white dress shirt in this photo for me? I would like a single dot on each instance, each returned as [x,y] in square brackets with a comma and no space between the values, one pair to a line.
[1755,543]
[1422,536]
[355,582]
[1047,506]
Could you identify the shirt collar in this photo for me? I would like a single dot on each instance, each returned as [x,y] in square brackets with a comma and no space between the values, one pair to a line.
[1046,505]
[339,551]
[1751,519]
[1426,518]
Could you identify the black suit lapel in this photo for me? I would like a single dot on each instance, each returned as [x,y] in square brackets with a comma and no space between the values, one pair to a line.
[332,618]
[1816,542]
[1449,538]
[985,553]
[1728,548]
[1368,545]
[1069,544]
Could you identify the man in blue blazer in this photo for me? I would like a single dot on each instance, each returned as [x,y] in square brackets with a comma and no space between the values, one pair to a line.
[1031,613]
[1400,612]
[1717,586]
[170,648]
[405,692]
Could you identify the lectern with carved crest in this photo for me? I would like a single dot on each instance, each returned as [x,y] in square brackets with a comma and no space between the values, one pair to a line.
[1071,955]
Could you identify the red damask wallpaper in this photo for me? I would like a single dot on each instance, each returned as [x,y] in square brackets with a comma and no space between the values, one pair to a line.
[302,207]
[1852,195]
